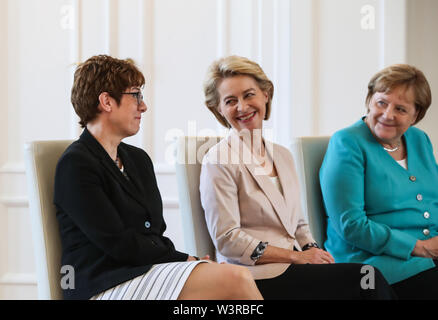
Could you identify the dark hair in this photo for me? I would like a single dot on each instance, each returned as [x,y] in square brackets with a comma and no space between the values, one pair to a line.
[99,74]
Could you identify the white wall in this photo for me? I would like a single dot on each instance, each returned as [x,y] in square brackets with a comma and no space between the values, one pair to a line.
[422,51]
[319,54]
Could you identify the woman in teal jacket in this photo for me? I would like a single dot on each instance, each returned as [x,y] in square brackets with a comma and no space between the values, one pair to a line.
[379,181]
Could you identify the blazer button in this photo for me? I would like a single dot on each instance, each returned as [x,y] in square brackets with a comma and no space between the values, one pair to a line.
[412,178]
[426,215]
[147,224]
[426,232]
[419,197]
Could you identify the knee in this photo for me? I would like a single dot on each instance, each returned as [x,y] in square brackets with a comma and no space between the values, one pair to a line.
[243,274]
[238,279]
[236,273]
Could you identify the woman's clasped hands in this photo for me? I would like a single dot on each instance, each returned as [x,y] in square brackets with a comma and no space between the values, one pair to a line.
[312,256]
[426,248]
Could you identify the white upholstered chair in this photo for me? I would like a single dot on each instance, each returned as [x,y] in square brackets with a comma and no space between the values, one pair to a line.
[308,153]
[41,158]
[189,154]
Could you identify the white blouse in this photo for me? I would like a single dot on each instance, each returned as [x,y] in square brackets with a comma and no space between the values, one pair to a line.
[276,183]
[403,163]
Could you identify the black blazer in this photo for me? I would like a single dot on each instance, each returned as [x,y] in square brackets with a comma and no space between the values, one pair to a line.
[111,226]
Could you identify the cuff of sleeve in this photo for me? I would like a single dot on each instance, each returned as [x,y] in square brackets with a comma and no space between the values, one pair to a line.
[304,236]
[400,245]
[246,257]
[303,241]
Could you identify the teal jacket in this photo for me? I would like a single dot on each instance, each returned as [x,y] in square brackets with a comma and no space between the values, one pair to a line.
[376,209]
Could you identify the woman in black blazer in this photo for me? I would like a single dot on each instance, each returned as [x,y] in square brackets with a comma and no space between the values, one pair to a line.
[109,207]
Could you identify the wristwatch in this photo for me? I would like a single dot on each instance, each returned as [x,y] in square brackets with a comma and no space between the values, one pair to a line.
[310,245]
[258,251]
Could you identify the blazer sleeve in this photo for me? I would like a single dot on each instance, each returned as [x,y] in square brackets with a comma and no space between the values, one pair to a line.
[303,234]
[342,178]
[219,198]
[79,192]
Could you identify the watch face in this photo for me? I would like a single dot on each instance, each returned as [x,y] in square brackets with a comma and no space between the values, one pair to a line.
[258,251]
[310,245]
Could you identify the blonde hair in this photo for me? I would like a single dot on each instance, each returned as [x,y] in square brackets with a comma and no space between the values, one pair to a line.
[229,67]
[402,75]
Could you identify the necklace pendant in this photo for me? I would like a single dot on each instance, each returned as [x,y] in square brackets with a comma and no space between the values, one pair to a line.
[117,162]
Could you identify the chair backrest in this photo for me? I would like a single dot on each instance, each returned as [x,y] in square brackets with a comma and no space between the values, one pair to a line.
[190,151]
[308,153]
[41,158]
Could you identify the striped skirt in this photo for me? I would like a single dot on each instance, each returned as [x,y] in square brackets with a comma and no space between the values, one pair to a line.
[163,281]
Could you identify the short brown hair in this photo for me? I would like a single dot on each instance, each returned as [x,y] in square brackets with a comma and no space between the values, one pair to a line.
[229,67]
[402,75]
[99,74]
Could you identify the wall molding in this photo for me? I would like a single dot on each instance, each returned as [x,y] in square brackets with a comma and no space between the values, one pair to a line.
[161,168]
[223,46]
[15,278]
[14,202]
[170,203]
[13,168]
[23,202]
[112,27]
[164,169]
[147,39]
[75,58]
[11,201]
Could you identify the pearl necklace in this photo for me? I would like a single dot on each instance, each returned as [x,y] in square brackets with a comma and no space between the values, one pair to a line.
[392,150]
[386,149]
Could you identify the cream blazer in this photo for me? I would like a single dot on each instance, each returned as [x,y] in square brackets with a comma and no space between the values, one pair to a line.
[243,206]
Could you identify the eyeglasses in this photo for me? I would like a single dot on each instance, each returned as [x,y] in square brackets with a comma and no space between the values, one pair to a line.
[138,95]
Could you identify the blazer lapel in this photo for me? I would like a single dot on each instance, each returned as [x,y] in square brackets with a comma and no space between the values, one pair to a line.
[258,173]
[284,174]
[137,188]
[96,148]
[131,185]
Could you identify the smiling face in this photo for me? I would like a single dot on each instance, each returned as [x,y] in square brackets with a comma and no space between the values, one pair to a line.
[126,117]
[391,114]
[242,103]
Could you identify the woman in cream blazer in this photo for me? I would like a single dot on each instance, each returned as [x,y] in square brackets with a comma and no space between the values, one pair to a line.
[247,200]
[251,198]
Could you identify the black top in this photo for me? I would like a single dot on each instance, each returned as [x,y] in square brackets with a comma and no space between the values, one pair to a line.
[111,227]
